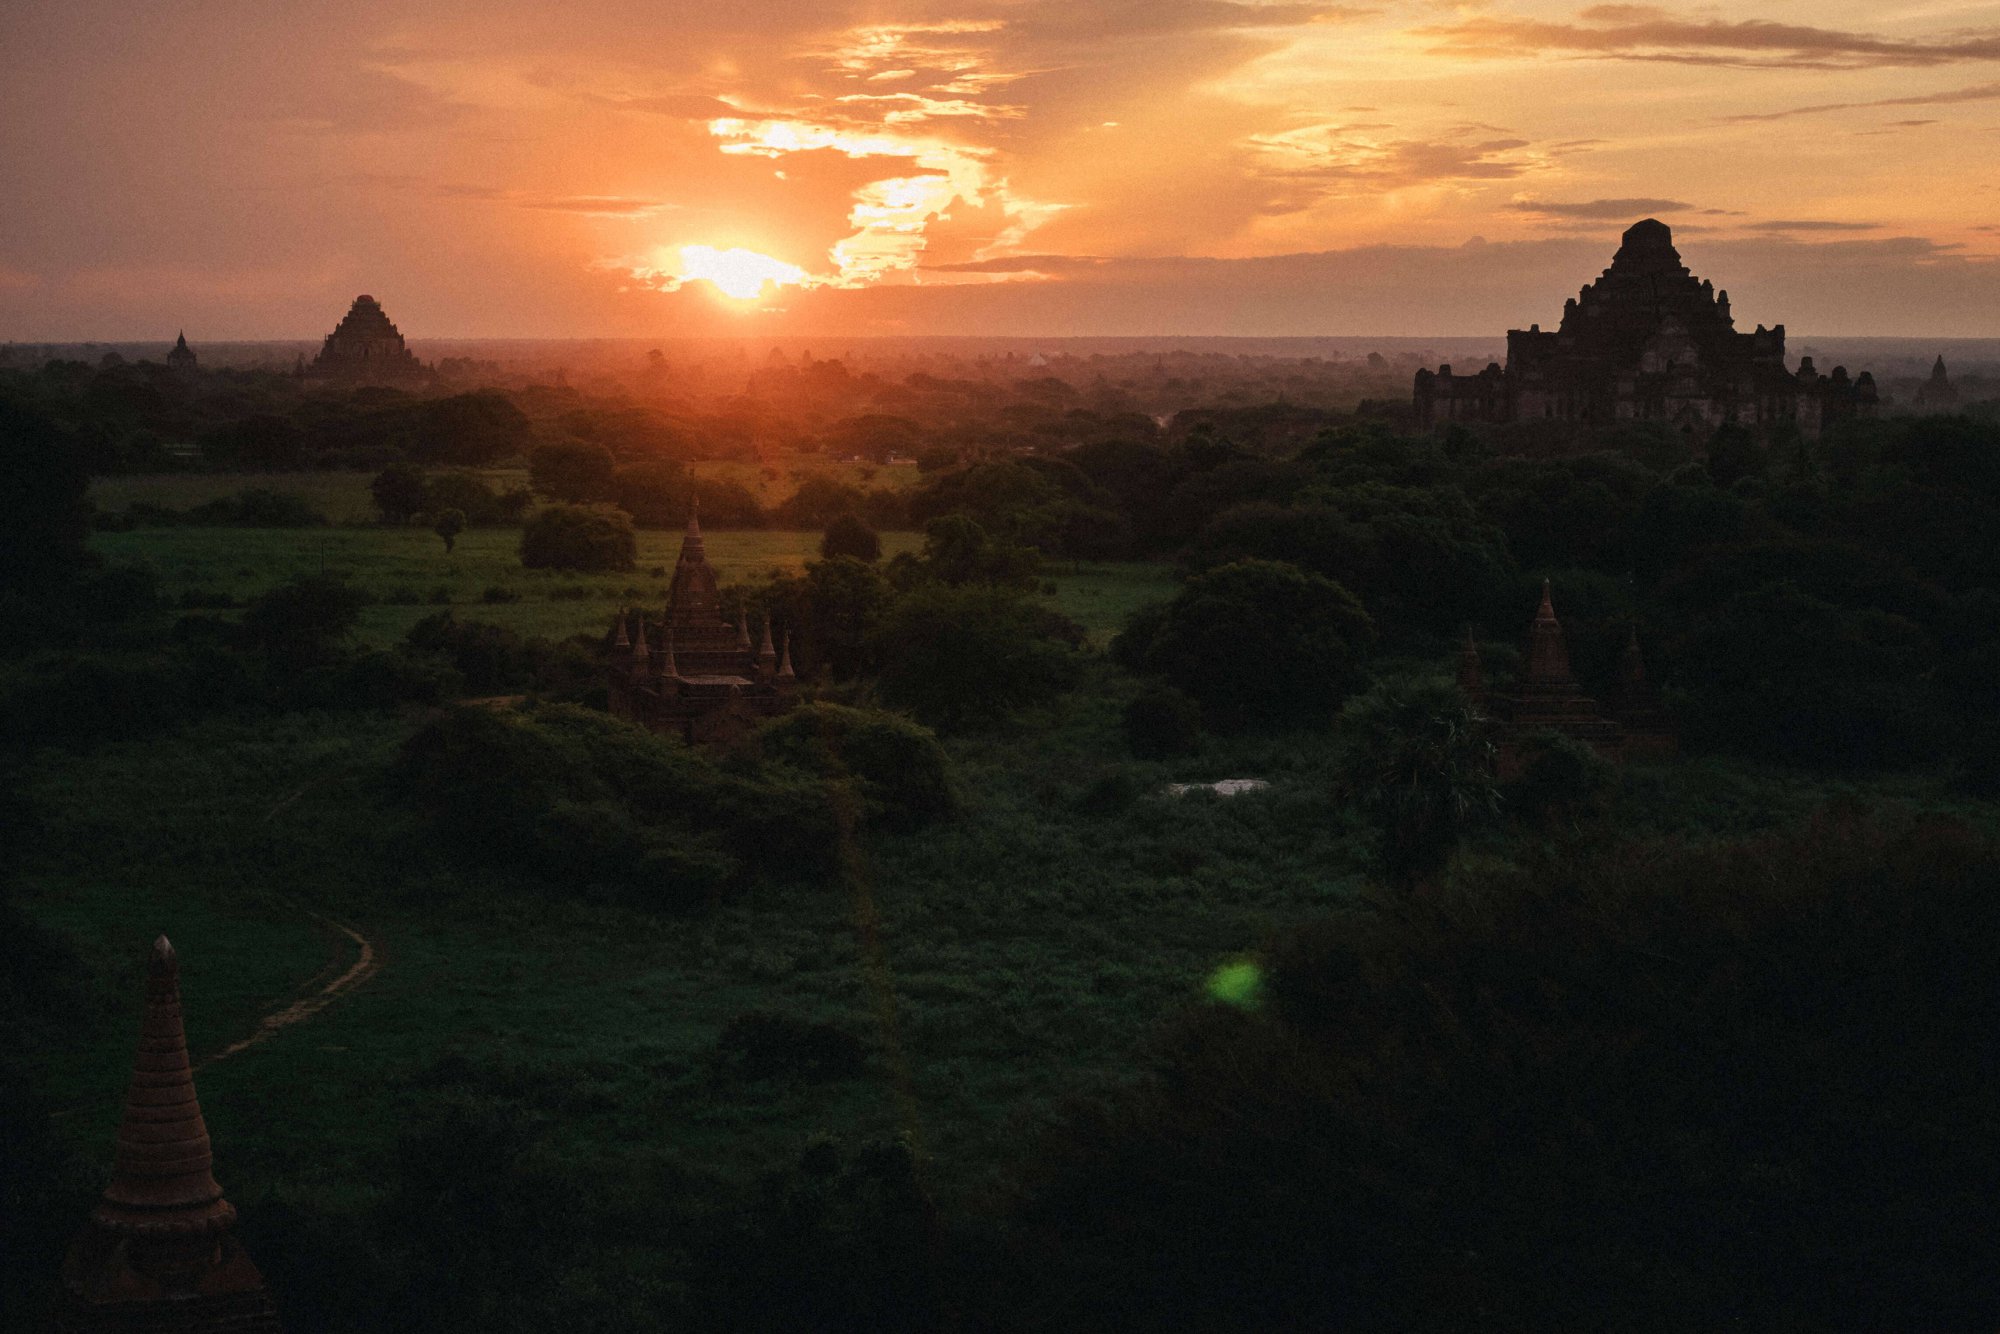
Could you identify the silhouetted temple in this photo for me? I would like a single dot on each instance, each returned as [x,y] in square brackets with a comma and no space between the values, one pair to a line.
[160,1252]
[1938,394]
[1647,342]
[1548,698]
[181,358]
[365,348]
[692,674]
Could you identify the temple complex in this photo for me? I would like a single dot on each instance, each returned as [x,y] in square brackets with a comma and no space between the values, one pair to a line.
[691,673]
[159,1252]
[1548,698]
[365,348]
[1647,341]
[181,358]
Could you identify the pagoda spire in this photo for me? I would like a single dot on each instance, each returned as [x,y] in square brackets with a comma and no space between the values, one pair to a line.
[1471,674]
[671,669]
[640,651]
[622,638]
[743,629]
[785,672]
[159,1247]
[1548,653]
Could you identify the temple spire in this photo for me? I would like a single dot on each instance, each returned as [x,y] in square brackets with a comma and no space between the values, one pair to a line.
[672,668]
[1548,654]
[767,654]
[623,638]
[159,1250]
[743,629]
[785,672]
[1471,676]
[640,650]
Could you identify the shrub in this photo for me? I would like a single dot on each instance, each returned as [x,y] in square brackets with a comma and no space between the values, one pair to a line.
[849,536]
[1415,759]
[760,1044]
[958,657]
[571,537]
[1256,643]
[581,801]
[902,773]
[300,621]
[1561,779]
[571,471]
[1162,722]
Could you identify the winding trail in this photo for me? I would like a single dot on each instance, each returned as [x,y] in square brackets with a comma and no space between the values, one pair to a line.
[365,966]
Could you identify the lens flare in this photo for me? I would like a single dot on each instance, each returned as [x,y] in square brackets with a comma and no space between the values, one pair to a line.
[1239,984]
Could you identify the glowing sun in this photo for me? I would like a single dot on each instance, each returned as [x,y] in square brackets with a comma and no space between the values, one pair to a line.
[742,274]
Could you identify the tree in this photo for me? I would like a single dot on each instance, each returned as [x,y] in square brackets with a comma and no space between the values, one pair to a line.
[299,623]
[1416,761]
[849,536]
[571,471]
[400,492]
[957,657]
[574,537]
[958,551]
[1256,642]
[44,509]
[471,429]
[449,525]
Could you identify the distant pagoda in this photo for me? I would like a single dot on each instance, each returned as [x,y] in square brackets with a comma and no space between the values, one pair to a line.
[366,348]
[181,358]
[160,1253]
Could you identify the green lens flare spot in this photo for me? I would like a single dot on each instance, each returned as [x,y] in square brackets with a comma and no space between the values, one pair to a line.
[1239,984]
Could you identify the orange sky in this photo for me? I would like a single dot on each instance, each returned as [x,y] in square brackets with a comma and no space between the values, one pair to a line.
[610,167]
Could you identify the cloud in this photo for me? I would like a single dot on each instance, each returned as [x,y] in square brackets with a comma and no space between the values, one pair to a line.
[680,106]
[1984,92]
[601,206]
[1600,208]
[1647,33]
[1812,225]
[1338,153]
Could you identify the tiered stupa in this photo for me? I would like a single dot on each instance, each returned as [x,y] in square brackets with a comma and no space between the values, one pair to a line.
[181,358]
[365,348]
[691,673]
[1648,341]
[1938,393]
[160,1252]
[1548,698]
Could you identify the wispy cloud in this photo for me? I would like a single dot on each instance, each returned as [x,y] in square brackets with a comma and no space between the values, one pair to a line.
[1985,92]
[1600,208]
[1647,33]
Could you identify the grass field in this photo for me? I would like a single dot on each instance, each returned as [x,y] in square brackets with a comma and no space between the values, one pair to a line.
[344,498]
[410,575]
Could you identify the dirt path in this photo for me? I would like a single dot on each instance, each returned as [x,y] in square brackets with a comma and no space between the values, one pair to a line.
[366,965]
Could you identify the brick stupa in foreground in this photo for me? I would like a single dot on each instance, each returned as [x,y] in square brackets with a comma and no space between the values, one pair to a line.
[160,1253]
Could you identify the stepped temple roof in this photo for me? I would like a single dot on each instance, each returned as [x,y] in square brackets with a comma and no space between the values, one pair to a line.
[365,348]
[1647,341]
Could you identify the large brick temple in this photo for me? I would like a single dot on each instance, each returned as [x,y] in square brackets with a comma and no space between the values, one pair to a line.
[159,1253]
[365,348]
[1648,341]
[691,673]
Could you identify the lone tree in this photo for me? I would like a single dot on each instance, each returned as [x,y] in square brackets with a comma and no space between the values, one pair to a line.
[1416,761]
[576,537]
[1256,642]
[849,536]
[449,525]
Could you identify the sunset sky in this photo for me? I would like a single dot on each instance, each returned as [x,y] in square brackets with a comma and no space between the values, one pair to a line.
[618,168]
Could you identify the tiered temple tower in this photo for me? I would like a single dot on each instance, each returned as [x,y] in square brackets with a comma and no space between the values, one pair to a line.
[365,348]
[181,358]
[159,1253]
[1938,394]
[1647,341]
[691,673]
[1548,698]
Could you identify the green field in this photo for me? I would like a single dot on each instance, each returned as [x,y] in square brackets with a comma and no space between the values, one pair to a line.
[410,576]
[344,498]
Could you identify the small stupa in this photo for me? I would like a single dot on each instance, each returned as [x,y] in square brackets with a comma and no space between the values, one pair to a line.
[159,1252]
